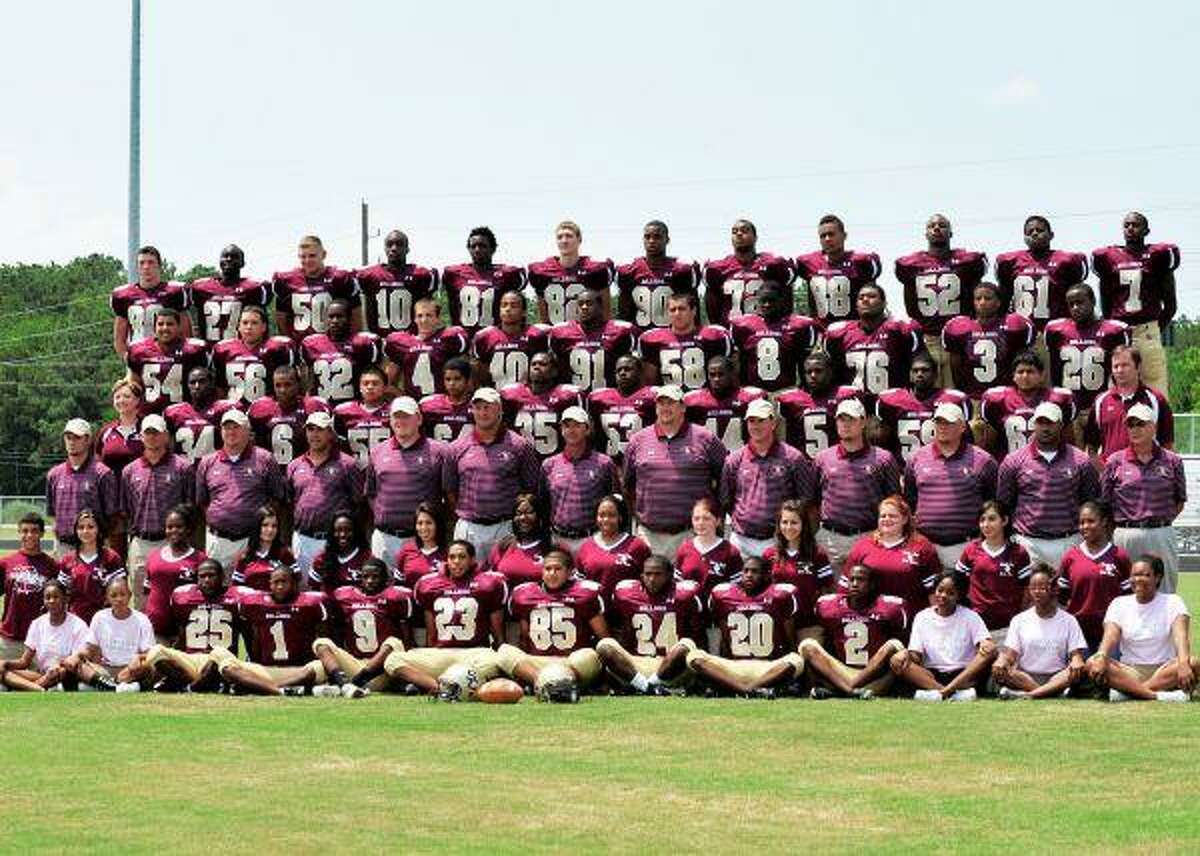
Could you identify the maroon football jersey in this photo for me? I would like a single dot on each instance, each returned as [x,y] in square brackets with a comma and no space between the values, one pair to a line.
[833,286]
[588,358]
[461,608]
[442,419]
[507,357]
[987,348]
[207,624]
[810,577]
[163,576]
[535,416]
[220,304]
[361,428]
[911,418]
[421,360]
[608,564]
[753,626]
[810,422]
[936,288]
[559,286]
[336,366]
[720,563]
[1132,284]
[772,352]
[724,417]
[388,296]
[196,432]
[854,637]
[280,431]
[617,417]
[246,372]
[731,288]
[649,625]
[369,619]
[872,361]
[282,634]
[140,307]
[474,295]
[1010,414]
[643,289]
[682,359]
[304,301]
[1081,358]
[163,372]
[556,622]
[1038,285]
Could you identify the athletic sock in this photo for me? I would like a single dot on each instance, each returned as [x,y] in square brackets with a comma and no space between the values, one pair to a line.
[639,682]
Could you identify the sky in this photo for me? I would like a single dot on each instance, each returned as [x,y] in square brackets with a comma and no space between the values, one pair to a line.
[263,121]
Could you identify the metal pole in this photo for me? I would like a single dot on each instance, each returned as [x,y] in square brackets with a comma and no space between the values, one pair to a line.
[135,139]
[365,234]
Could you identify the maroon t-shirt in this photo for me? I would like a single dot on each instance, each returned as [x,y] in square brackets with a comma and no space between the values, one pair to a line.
[809,576]
[649,625]
[555,622]
[853,636]
[997,580]
[720,563]
[369,619]
[609,564]
[88,579]
[23,577]
[906,570]
[753,626]
[163,576]
[1087,584]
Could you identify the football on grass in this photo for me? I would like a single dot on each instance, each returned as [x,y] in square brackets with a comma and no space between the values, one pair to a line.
[500,691]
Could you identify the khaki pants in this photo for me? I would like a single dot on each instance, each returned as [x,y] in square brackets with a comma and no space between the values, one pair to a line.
[749,546]
[746,670]
[385,547]
[647,667]
[661,543]
[585,662]
[135,563]
[483,536]
[305,549]
[352,665]
[226,660]
[836,547]
[879,686]
[189,664]
[1161,542]
[1148,339]
[434,661]
[949,554]
[223,550]
[945,378]
[1048,550]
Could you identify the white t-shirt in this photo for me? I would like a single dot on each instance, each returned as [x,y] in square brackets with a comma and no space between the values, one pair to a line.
[947,642]
[52,644]
[1044,645]
[118,639]
[1146,627]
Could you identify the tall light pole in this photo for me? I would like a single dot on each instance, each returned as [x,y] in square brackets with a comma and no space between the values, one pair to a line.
[135,139]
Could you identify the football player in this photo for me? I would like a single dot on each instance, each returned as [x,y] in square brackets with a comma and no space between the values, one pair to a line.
[1008,410]
[905,416]
[808,412]
[417,359]
[1081,348]
[678,352]
[873,352]
[303,295]
[720,406]
[560,279]
[503,350]
[337,357]
[534,409]
[245,366]
[364,424]
[159,365]
[619,411]
[833,275]
[389,290]
[446,415]
[278,420]
[588,348]
[731,284]
[220,299]
[773,341]
[137,304]
[646,285]
[194,424]
[1036,280]
[981,349]
[474,290]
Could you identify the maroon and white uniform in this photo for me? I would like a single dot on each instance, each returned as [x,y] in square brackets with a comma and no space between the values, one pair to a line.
[1132,284]
[1038,284]
[88,579]
[724,417]
[609,564]
[443,419]
[731,287]
[852,636]
[197,432]
[282,634]
[872,361]
[461,607]
[535,416]
[163,372]
[997,581]
[474,295]
[367,620]
[556,622]
[282,431]
[753,626]
[507,357]
[589,356]
[1081,357]
[362,427]
[907,570]
[809,420]
[937,288]
[304,301]
[1088,583]
[986,348]
[1106,428]
[682,359]
[140,306]
[833,286]
[772,351]
[246,372]
[1009,413]
[421,360]
[388,297]
[205,623]
[643,289]
[23,578]
[720,563]
[649,625]
[617,417]
[809,576]
[336,366]
[559,286]
[219,304]
[911,418]
[164,575]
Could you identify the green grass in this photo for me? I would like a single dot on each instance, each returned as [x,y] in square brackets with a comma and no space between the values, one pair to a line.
[146,773]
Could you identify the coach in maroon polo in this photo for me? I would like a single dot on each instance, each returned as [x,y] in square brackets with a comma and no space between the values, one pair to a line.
[231,484]
[321,482]
[152,485]
[79,482]
[668,467]
[1145,486]
[577,478]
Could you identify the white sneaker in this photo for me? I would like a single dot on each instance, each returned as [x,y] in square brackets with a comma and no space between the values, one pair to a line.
[1116,696]
[1009,694]
[927,695]
[354,691]
[965,695]
[129,687]
[327,691]
[1173,695]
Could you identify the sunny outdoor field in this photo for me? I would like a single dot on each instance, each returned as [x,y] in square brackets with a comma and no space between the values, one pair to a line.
[96,772]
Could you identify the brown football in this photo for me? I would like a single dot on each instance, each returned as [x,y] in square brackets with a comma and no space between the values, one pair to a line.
[500,691]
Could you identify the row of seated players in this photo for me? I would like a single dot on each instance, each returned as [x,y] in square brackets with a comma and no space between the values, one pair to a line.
[758,608]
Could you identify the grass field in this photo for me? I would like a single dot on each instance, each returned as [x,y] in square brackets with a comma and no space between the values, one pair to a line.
[146,773]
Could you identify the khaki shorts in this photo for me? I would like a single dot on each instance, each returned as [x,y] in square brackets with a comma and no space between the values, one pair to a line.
[945,378]
[352,665]
[1148,338]
[746,670]
[1144,671]
[11,649]
[434,661]
[585,662]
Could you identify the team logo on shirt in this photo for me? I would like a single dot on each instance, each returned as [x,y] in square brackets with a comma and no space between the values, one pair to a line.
[911,557]
[1006,569]
[1108,569]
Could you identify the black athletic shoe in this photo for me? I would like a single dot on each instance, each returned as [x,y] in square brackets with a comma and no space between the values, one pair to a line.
[295,691]
[820,694]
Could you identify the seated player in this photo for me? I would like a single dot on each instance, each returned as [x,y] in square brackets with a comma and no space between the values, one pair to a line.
[657,619]
[374,619]
[833,275]
[808,413]
[1042,654]
[679,353]
[503,350]
[587,348]
[720,405]
[415,360]
[345,553]
[159,365]
[113,655]
[949,650]
[245,367]
[53,636]
[560,619]
[195,424]
[981,348]
[618,412]
[756,619]
[874,351]
[338,356]
[645,286]
[464,616]
[475,289]
[1152,632]
[1008,410]
[772,342]
[279,420]
[446,415]
[364,424]
[862,632]
[389,289]
[534,408]
[905,416]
